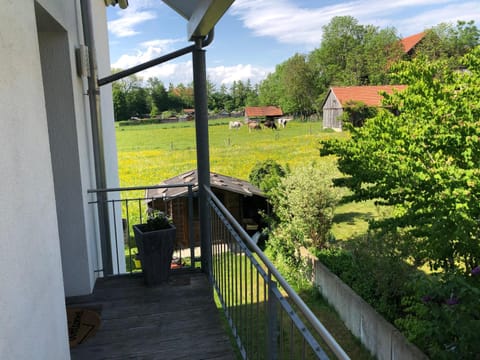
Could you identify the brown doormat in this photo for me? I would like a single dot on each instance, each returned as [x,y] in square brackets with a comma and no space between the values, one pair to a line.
[82,324]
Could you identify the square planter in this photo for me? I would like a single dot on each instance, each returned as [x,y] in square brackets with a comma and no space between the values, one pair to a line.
[155,250]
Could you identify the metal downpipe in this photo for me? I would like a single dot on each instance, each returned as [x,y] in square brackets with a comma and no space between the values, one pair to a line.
[97,138]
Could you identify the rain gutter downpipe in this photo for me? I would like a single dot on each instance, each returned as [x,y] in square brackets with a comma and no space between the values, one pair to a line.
[97,138]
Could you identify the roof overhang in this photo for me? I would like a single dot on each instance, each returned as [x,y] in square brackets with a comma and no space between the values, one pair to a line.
[202,15]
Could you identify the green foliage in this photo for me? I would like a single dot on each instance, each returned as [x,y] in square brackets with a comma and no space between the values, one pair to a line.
[425,161]
[157,220]
[267,175]
[372,269]
[303,205]
[449,42]
[354,54]
[356,113]
[291,86]
[443,315]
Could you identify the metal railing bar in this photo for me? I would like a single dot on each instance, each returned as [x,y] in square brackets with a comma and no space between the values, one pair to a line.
[133,188]
[318,326]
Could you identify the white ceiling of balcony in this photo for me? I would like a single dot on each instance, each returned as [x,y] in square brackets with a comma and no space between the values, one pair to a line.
[202,15]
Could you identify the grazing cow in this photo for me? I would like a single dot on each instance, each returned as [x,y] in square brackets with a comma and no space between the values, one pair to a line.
[234,125]
[270,124]
[283,121]
[253,125]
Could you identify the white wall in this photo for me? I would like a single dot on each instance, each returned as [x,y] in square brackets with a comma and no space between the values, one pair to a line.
[32,316]
[46,168]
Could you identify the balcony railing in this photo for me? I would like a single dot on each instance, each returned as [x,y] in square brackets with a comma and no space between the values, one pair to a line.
[127,207]
[267,318]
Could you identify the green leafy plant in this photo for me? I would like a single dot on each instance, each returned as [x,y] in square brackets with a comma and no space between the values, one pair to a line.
[157,220]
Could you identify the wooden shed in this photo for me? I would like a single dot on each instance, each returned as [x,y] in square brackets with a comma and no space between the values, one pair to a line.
[337,98]
[242,199]
[263,113]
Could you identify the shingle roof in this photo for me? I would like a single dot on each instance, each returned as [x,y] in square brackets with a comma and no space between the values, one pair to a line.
[216,181]
[369,95]
[410,42]
[262,111]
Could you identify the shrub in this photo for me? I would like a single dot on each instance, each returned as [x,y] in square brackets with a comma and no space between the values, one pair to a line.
[443,315]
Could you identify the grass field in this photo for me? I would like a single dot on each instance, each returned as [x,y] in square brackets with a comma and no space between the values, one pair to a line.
[149,154]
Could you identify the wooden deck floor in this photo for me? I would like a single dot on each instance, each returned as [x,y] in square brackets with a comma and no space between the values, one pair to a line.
[177,320]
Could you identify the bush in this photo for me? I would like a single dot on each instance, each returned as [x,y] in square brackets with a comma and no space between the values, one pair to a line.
[304,203]
[443,315]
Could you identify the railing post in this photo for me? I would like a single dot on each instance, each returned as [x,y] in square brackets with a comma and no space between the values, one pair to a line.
[272,320]
[190,227]
[203,157]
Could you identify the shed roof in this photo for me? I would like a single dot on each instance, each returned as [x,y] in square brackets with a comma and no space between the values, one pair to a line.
[369,95]
[262,111]
[216,181]
[411,41]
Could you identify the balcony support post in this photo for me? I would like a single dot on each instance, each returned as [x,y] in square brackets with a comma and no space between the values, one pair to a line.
[203,157]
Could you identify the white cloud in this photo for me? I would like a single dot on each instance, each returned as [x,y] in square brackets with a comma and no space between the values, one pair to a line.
[148,51]
[288,23]
[181,72]
[226,75]
[125,25]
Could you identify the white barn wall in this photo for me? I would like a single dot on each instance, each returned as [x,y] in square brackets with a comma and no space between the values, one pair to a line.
[33,320]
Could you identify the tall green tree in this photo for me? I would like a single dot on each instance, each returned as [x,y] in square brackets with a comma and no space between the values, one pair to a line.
[355,54]
[158,96]
[425,162]
[449,42]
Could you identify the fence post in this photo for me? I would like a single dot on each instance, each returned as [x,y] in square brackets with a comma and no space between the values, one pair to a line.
[272,320]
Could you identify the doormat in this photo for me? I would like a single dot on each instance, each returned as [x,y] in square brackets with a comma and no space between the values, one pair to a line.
[82,324]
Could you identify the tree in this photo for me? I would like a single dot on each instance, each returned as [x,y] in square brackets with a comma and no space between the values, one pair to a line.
[354,54]
[292,87]
[425,162]
[267,175]
[449,42]
[158,95]
[303,206]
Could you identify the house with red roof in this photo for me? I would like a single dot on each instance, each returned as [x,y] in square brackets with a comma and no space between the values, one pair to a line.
[262,112]
[337,98]
[410,42]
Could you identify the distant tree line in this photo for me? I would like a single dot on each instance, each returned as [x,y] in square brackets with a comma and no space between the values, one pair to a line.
[350,54]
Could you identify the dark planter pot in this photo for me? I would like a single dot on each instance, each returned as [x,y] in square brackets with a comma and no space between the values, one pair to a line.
[155,250]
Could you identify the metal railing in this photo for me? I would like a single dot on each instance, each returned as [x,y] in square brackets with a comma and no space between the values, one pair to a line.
[267,317]
[127,207]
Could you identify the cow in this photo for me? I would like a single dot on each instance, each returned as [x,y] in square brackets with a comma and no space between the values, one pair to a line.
[270,124]
[234,125]
[253,125]
[283,121]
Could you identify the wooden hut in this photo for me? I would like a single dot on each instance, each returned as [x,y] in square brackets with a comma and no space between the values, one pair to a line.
[262,113]
[337,98]
[242,199]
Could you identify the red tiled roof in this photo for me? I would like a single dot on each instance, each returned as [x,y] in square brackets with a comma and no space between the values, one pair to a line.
[369,95]
[262,111]
[410,42]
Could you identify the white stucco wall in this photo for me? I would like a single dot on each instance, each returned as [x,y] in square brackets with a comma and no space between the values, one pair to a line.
[32,316]
[46,167]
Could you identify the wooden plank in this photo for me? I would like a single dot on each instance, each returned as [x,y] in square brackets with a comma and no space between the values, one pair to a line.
[177,320]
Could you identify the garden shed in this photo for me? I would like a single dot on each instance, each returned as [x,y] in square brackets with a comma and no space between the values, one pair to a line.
[242,199]
[262,112]
[338,97]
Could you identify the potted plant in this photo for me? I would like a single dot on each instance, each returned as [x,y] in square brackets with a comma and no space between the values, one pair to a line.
[155,241]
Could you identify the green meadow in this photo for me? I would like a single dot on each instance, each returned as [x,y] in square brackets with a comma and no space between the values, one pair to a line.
[149,154]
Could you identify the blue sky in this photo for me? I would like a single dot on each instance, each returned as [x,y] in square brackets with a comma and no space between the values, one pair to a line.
[255,35]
